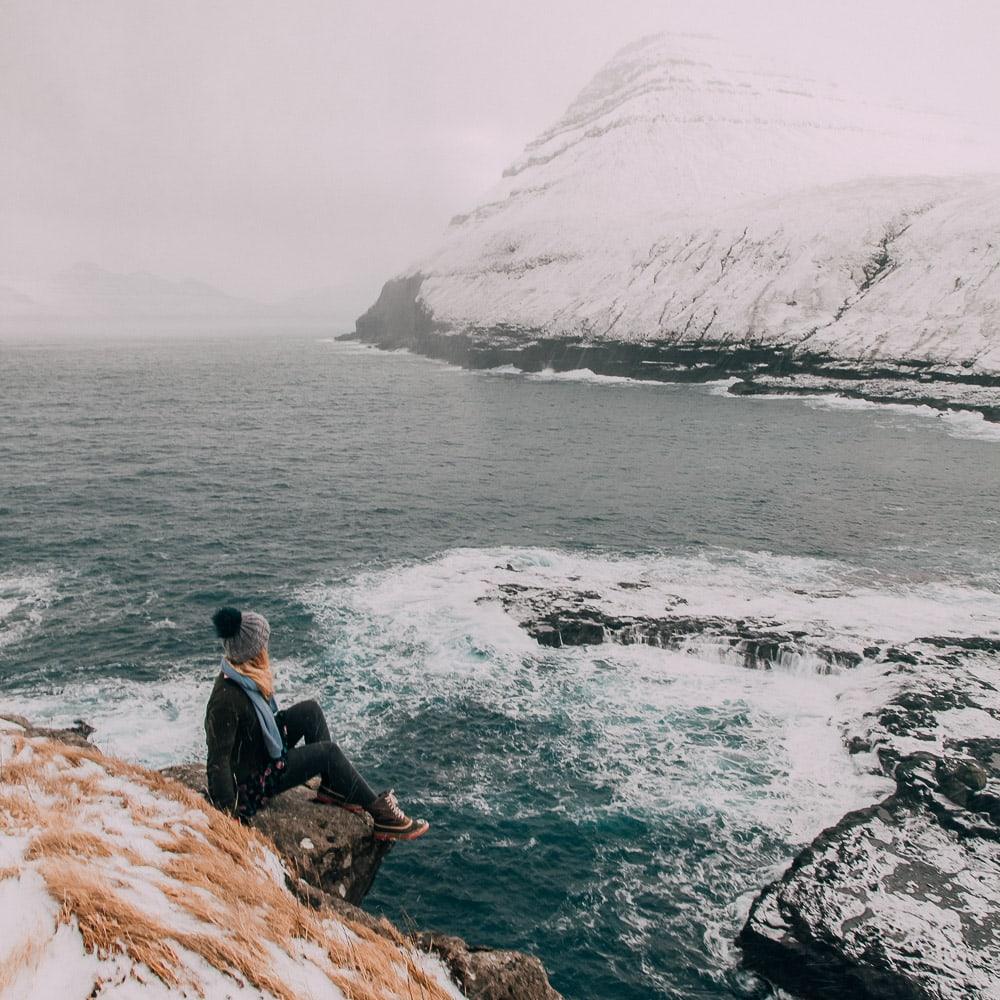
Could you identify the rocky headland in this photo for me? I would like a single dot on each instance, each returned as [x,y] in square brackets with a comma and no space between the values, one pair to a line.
[698,214]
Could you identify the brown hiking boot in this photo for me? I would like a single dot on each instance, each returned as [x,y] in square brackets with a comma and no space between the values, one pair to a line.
[391,823]
[328,797]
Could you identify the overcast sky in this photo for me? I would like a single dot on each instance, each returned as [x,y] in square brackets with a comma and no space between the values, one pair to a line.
[273,147]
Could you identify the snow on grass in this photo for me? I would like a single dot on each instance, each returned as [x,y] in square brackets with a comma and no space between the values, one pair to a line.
[116,881]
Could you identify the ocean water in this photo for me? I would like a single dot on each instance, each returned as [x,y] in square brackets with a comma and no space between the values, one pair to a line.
[611,809]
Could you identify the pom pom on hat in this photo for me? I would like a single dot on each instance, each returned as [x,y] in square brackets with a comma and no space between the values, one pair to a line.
[227,622]
[244,635]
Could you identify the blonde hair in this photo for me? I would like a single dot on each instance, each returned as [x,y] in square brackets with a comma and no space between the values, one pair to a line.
[258,669]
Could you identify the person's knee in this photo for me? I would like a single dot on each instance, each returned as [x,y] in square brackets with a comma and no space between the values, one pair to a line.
[312,711]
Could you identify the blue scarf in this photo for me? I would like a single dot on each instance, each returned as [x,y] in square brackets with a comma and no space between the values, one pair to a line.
[265,709]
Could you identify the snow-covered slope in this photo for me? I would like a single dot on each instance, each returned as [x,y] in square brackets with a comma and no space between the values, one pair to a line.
[117,882]
[694,195]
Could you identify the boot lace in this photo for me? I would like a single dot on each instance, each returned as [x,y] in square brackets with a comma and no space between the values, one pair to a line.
[391,807]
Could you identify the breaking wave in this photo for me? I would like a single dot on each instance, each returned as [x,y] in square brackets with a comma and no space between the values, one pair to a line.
[23,600]
[616,745]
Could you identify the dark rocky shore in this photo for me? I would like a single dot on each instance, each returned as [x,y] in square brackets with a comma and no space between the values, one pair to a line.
[334,860]
[399,320]
[898,900]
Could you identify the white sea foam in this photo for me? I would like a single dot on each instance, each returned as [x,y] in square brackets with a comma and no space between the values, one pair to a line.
[682,737]
[23,600]
[719,387]
[956,423]
[432,629]
[590,377]
[154,723]
[437,618]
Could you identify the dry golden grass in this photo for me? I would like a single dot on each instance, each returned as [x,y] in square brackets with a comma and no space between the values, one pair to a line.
[31,774]
[209,870]
[26,953]
[61,840]
[18,811]
[110,925]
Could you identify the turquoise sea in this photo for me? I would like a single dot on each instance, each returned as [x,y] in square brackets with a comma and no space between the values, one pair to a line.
[611,809]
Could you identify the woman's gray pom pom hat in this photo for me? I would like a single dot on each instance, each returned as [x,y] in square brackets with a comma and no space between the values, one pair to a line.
[244,635]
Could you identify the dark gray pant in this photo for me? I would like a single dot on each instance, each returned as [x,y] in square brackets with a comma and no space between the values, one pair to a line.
[320,756]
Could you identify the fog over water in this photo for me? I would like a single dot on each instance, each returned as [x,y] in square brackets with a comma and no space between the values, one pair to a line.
[269,149]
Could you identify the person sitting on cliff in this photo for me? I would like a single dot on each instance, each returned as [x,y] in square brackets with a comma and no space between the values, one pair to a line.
[252,746]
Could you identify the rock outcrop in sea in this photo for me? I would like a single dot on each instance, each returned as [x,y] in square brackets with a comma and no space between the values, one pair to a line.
[115,879]
[699,214]
[896,901]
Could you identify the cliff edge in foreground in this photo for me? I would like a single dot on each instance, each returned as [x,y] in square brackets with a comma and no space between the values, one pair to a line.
[117,881]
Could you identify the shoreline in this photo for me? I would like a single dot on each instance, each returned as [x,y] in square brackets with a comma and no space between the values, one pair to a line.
[399,320]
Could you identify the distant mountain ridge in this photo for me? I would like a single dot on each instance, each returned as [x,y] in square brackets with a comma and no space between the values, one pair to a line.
[87,291]
[699,199]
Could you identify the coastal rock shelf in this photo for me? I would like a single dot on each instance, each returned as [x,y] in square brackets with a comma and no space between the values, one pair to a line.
[570,617]
[699,213]
[897,900]
[901,900]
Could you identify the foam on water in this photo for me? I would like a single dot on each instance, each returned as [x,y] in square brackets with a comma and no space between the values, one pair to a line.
[754,760]
[23,600]
[591,378]
[720,387]
[155,722]
[964,424]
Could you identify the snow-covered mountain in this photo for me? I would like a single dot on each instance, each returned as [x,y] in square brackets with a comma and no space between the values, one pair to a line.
[694,197]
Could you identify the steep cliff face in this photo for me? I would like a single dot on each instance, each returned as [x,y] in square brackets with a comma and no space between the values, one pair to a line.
[694,197]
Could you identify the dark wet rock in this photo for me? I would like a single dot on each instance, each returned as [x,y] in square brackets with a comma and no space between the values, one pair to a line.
[899,900]
[325,847]
[488,974]
[567,617]
[77,735]
[915,712]
[902,899]
[978,643]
